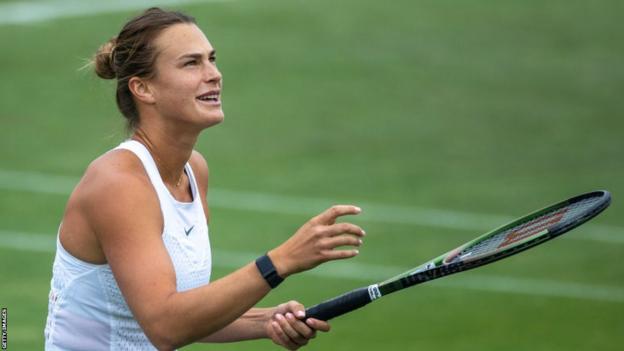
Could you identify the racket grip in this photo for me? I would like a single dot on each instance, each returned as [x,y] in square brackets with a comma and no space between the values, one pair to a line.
[340,305]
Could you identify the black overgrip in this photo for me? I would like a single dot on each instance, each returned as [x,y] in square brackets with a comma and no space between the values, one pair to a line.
[339,305]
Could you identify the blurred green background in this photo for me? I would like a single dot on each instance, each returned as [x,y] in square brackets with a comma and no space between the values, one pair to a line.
[442,119]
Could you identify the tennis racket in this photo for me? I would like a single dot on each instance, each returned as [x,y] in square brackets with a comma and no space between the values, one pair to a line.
[510,239]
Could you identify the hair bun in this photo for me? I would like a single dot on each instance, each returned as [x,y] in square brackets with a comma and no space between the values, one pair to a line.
[103,60]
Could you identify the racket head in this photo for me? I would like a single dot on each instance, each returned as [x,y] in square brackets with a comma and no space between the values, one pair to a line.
[521,234]
[531,229]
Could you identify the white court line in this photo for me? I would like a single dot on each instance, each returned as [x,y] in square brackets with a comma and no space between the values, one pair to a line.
[368,273]
[37,11]
[306,206]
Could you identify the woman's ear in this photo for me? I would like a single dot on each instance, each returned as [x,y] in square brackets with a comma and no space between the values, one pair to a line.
[141,90]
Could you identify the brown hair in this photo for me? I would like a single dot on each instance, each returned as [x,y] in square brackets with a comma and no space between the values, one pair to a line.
[132,54]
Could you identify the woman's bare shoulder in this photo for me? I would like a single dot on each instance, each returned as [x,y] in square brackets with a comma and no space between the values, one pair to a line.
[115,180]
[113,195]
[114,170]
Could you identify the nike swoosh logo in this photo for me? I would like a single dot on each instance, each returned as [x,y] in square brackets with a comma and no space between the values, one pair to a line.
[189,230]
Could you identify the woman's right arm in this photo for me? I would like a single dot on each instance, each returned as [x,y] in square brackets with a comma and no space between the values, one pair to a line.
[124,212]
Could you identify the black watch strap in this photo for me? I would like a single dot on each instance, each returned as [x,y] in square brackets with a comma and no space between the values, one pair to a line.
[268,271]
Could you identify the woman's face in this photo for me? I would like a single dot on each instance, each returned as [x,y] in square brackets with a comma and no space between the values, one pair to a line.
[187,83]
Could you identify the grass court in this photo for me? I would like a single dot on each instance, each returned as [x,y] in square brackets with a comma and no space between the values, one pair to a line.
[441,119]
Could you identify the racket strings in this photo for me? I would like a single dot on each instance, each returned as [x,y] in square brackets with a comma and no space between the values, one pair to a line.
[528,229]
[577,209]
[533,227]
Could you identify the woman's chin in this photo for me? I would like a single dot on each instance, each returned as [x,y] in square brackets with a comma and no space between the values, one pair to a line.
[212,120]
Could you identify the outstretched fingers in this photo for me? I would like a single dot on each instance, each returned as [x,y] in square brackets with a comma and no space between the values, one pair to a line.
[342,240]
[342,234]
[340,254]
[329,216]
[307,248]
[345,228]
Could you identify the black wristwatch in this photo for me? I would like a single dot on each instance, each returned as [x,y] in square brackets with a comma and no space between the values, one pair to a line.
[268,271]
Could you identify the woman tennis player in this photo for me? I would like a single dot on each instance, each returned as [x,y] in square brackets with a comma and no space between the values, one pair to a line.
[133,259]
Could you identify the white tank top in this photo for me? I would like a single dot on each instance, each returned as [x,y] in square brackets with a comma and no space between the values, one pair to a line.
[86,310]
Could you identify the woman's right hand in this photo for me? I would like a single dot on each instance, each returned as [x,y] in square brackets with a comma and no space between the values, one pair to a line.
[316,242]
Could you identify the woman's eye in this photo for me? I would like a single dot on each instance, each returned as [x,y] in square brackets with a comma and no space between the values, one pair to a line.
[213,59]
[190,63]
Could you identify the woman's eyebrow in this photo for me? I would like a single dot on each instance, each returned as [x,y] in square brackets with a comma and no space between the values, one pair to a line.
[196,55]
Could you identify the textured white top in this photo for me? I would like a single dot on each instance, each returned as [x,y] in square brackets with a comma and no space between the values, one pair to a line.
[86,310]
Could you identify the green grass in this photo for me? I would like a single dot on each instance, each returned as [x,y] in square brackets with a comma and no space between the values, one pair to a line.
[493,107]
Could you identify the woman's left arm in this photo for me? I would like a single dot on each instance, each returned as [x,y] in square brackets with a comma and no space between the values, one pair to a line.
[249,326]
[284,324]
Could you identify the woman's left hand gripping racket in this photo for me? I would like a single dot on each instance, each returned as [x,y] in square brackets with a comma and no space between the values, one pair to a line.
[519,235]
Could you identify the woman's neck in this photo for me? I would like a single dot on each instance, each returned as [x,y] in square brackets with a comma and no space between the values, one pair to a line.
[170,152]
